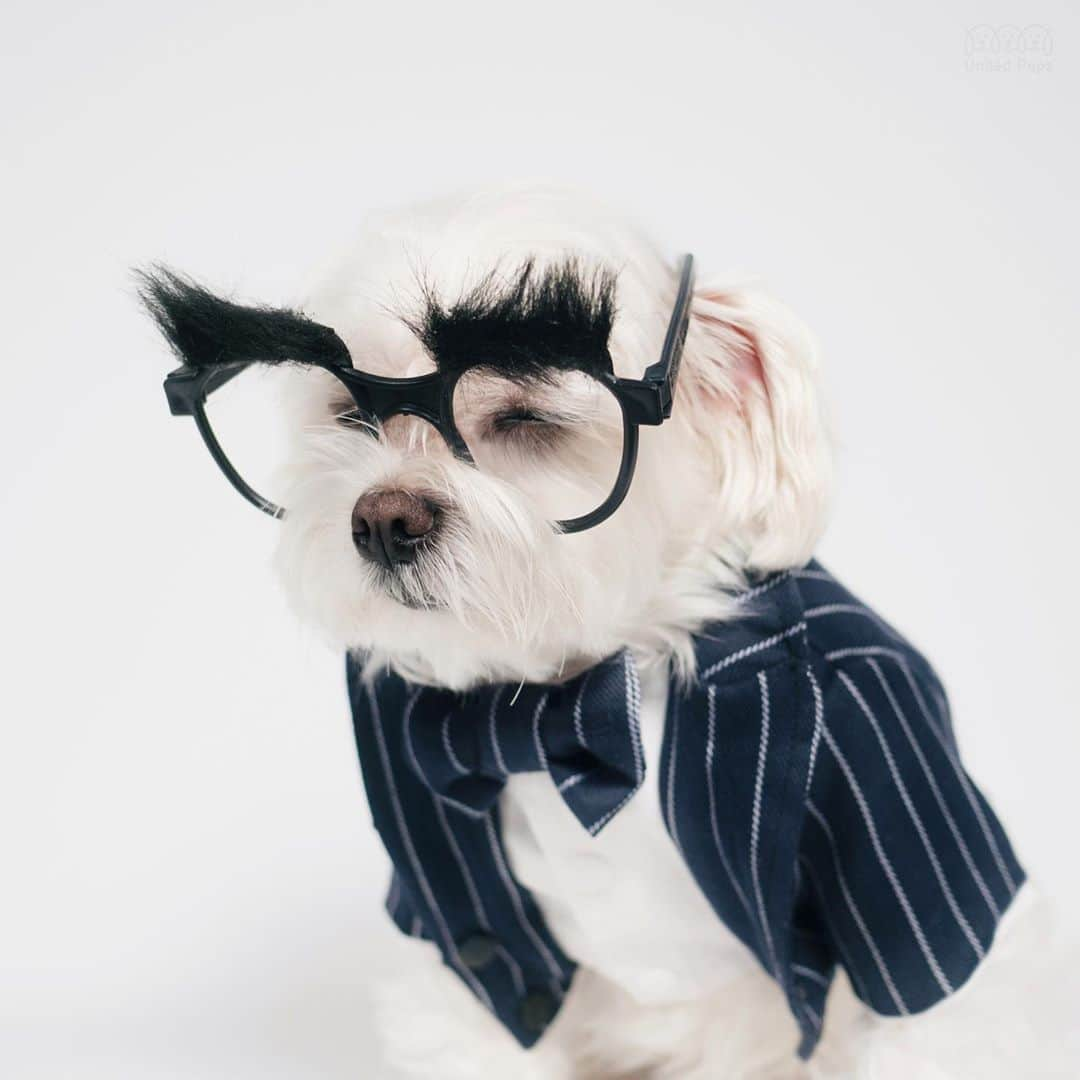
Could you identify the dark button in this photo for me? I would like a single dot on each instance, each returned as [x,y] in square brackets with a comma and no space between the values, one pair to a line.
[537,1010]
[477,950]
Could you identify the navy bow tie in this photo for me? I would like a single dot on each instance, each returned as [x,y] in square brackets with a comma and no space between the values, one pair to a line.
[585,733]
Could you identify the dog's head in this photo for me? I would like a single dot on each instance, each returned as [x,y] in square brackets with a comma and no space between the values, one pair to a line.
[449,565]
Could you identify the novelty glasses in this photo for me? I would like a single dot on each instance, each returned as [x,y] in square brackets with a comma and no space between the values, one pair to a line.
[565,436]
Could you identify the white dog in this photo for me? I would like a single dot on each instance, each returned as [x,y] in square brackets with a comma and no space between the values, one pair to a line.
[419,535]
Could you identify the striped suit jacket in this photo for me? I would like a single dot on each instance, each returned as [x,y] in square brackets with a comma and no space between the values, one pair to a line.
[809,778]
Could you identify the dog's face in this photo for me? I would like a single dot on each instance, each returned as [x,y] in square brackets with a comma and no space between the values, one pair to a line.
[453,570]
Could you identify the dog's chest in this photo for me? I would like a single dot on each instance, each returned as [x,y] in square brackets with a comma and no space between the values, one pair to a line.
[622,903]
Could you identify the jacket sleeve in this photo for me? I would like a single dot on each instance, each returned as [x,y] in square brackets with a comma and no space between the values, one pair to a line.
[904,870]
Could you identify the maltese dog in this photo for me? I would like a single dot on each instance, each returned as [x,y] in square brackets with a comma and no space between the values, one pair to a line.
[661,797]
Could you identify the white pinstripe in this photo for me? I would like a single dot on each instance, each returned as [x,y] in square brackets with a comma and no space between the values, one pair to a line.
[410,749]
[464,808]
[950,751]
[479,910]
[410,704]
[886,865]
[810,973]
[942,704]
[764,587]
[965,783]
[516,974]
[850,609]
[710,753]
[515,899]
[938,797]
[572,781]
[853,908]
[448,746]
[673,746]
[496,850]
[865,650]
[749,650]
[633,714]
[414,859]
[601,821]
[755,821]
[838,938]
[819,717]
[916,820]
[455,849]
[633,705]
[838,609]
[812,575]
[810,1012]
[579,729]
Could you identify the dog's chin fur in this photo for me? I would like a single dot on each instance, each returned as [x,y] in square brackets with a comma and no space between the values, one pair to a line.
[735,481]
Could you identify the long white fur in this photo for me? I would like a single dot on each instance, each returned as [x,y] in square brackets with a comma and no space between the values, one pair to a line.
[738,479]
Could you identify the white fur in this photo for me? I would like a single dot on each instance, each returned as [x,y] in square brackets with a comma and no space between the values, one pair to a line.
[736,480]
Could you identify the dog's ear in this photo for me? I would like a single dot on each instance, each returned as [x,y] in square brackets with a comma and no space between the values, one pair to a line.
[749,384]
[205,330]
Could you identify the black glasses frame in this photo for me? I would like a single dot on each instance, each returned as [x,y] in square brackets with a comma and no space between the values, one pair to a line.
[647,401]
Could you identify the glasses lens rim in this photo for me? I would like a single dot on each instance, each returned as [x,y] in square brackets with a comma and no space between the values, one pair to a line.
[217,438]
[446,425]
[618,417]
[224,463]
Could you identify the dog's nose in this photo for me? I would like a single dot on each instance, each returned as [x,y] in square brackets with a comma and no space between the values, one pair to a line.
[387,526]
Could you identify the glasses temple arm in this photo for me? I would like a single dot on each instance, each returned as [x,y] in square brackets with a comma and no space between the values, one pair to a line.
[661,376]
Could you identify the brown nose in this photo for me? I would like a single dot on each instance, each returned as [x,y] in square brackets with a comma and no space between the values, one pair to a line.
[388,526]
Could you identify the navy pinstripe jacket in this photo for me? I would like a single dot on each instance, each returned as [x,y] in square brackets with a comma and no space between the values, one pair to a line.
[810,779]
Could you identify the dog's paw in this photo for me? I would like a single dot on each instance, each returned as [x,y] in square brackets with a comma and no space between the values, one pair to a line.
[432,1026]
[1014,1018]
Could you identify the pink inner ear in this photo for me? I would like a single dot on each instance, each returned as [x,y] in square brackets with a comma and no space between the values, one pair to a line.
[748,370]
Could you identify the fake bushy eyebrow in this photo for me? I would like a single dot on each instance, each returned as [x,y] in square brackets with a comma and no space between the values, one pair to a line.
[525,323]
[206,330]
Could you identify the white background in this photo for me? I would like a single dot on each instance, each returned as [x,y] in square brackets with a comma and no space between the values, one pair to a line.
[191,885]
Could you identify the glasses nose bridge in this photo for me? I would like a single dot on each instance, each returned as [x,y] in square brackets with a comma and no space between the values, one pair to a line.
[424,401]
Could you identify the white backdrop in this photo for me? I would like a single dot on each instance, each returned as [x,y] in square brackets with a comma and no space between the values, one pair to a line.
[191,884]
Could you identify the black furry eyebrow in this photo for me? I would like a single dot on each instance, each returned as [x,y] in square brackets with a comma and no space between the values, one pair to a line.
[206,330]
[525,324]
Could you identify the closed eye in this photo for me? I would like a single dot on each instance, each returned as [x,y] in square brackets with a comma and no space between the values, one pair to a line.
[524,417]
[527,429]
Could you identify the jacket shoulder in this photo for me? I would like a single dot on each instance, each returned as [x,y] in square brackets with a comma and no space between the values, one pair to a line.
[839,624]
[804,614]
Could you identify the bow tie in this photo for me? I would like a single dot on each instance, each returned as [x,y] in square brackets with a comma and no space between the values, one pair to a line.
[585,733]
